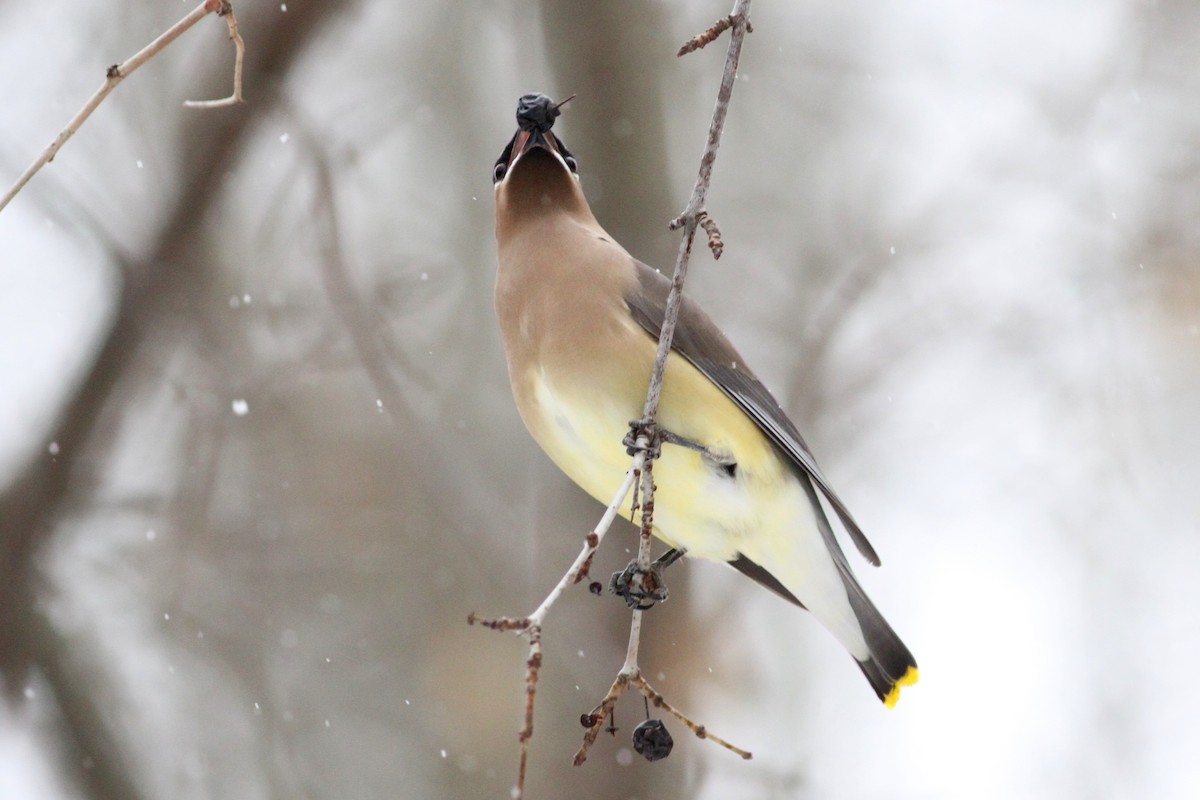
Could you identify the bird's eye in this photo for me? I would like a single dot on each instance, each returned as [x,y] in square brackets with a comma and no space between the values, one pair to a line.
[499,171]
[571,165]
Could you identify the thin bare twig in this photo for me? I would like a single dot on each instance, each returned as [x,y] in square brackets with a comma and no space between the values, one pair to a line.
[692,216]
[531,626]
[696,209]
[709,36]
[118,72]
[239,56]
[595,720]
[646,449]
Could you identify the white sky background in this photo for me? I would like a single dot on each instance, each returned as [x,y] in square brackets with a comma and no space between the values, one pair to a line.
[1025,461]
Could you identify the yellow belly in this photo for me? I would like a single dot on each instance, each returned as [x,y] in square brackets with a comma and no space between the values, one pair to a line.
[764,513]
[697,505]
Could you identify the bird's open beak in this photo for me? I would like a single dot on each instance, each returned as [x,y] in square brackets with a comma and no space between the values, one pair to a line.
[525,141]
[535,117]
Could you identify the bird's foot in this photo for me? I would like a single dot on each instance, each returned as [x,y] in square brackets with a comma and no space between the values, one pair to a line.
[641,429]
[641,589]
[657,437]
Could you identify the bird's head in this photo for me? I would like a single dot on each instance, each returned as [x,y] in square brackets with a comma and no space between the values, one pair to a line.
[536,174]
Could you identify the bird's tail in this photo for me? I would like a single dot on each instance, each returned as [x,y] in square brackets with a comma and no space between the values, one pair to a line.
[811,571]
[890,666]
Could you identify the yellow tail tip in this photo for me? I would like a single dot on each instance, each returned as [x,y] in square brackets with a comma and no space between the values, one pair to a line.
[908,679]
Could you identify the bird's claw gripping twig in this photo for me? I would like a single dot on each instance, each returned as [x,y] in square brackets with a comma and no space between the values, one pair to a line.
[641,429]
[641,589]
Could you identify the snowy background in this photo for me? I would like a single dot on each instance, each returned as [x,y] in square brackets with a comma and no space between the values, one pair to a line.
[258,457]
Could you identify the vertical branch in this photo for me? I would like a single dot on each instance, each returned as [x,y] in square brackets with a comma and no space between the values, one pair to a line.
[692,217]
[630,667]
[648,441]
[696,210]
[646,448]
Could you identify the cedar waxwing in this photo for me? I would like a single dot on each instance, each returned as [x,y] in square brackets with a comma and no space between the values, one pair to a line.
[580,319]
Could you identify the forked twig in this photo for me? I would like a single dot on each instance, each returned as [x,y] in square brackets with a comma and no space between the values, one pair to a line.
[594,722]
[239,57]
[531,627]
[630,674]
[119,72]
